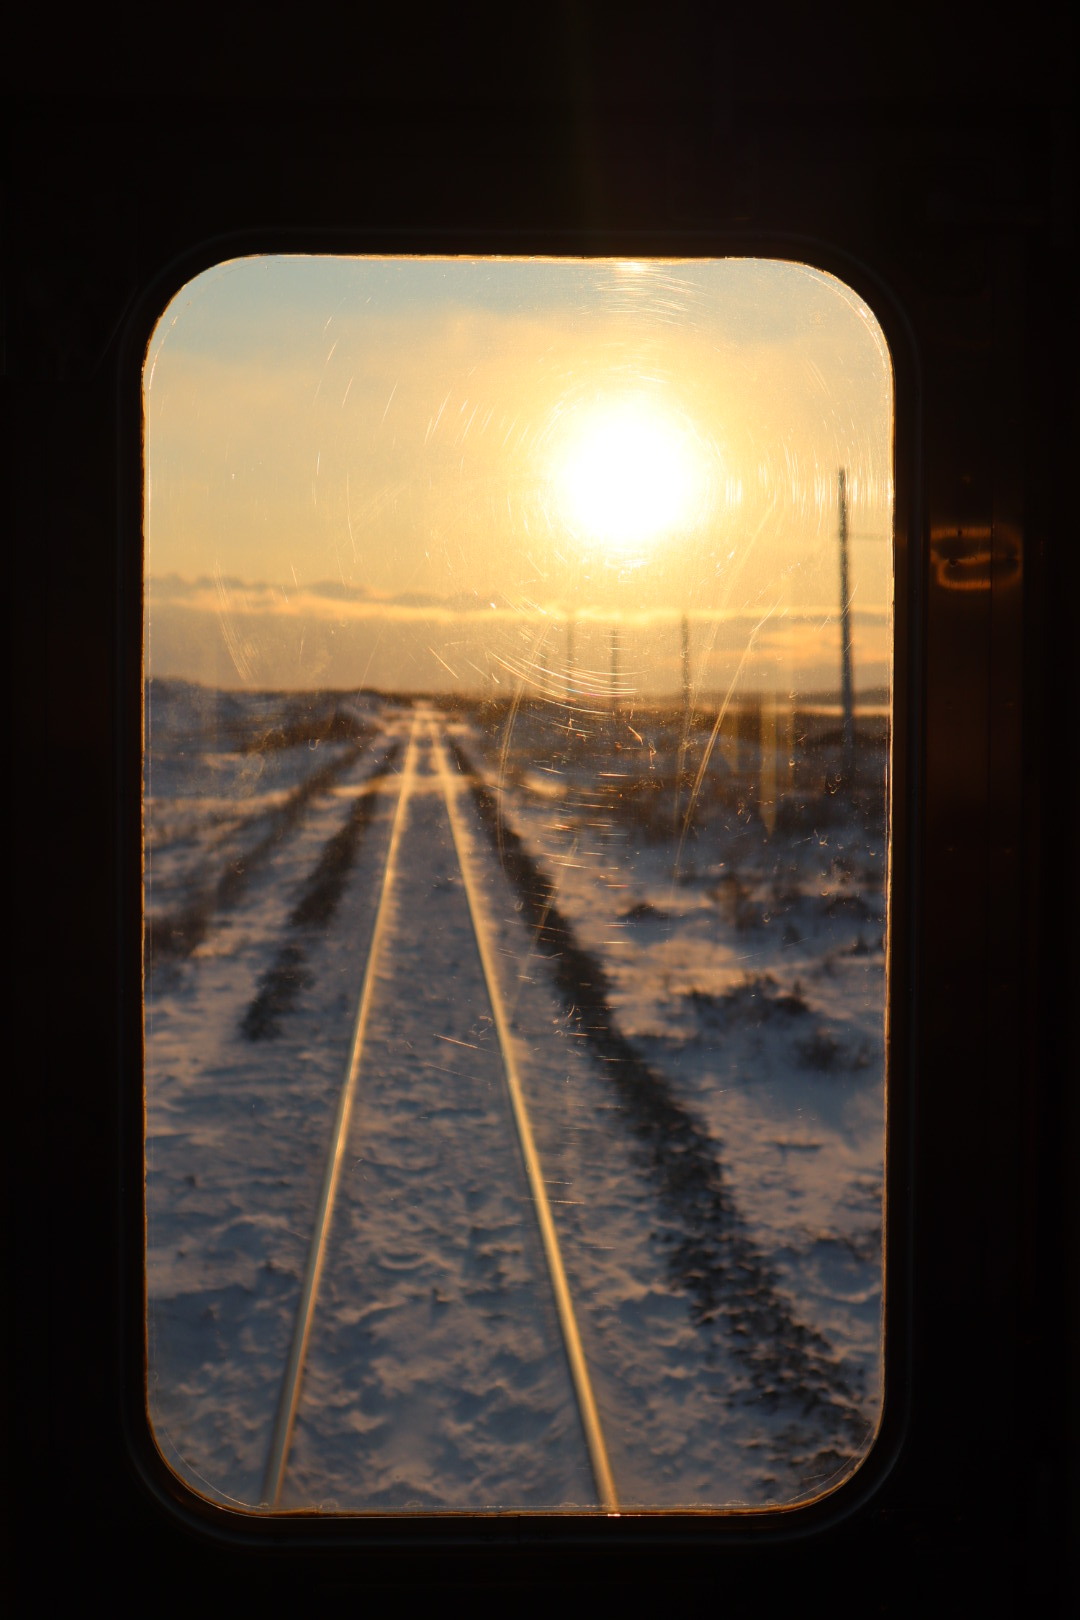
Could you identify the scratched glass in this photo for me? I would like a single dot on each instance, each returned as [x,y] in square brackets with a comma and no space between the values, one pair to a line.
[518,653]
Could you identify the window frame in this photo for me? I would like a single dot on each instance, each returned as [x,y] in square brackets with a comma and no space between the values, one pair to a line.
[965,1506]
[494,1528]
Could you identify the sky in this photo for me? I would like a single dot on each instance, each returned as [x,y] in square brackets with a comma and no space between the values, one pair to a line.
[450,474]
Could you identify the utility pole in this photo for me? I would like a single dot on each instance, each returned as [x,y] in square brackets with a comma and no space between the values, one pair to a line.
[847,681]
[686,671]
[614,669]
[684,740]
[767,767]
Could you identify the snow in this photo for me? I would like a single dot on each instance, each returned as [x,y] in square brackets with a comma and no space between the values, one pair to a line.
[709,1114]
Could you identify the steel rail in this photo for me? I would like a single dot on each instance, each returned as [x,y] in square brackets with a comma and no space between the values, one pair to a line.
[482,931]
[289,1397]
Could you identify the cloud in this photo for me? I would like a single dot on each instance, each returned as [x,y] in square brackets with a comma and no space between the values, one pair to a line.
[229,632]
[338,603]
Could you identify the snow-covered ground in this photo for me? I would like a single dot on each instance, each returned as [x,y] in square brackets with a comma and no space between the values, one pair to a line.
[697,1007]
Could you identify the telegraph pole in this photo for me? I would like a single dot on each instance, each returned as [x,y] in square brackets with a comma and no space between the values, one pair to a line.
[684,740]
[614,669]
[686,671]
[847,681]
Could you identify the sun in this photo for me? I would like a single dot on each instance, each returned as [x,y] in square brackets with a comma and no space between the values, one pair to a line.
[629,473]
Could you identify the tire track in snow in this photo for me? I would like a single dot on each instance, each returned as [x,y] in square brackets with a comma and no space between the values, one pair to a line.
[288,975]
[178,933]
[790,1368]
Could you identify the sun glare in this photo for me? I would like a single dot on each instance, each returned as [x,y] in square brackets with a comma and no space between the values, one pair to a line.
[628,474]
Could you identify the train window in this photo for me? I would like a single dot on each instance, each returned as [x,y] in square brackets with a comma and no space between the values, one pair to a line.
[518,660]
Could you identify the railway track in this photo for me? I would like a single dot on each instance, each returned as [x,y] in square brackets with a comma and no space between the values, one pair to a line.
[461,1177]
[427,771]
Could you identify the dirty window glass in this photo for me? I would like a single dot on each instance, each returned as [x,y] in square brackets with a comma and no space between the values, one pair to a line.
[517,732]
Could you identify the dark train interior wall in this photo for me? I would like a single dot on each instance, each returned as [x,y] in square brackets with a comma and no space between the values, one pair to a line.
[930,161]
